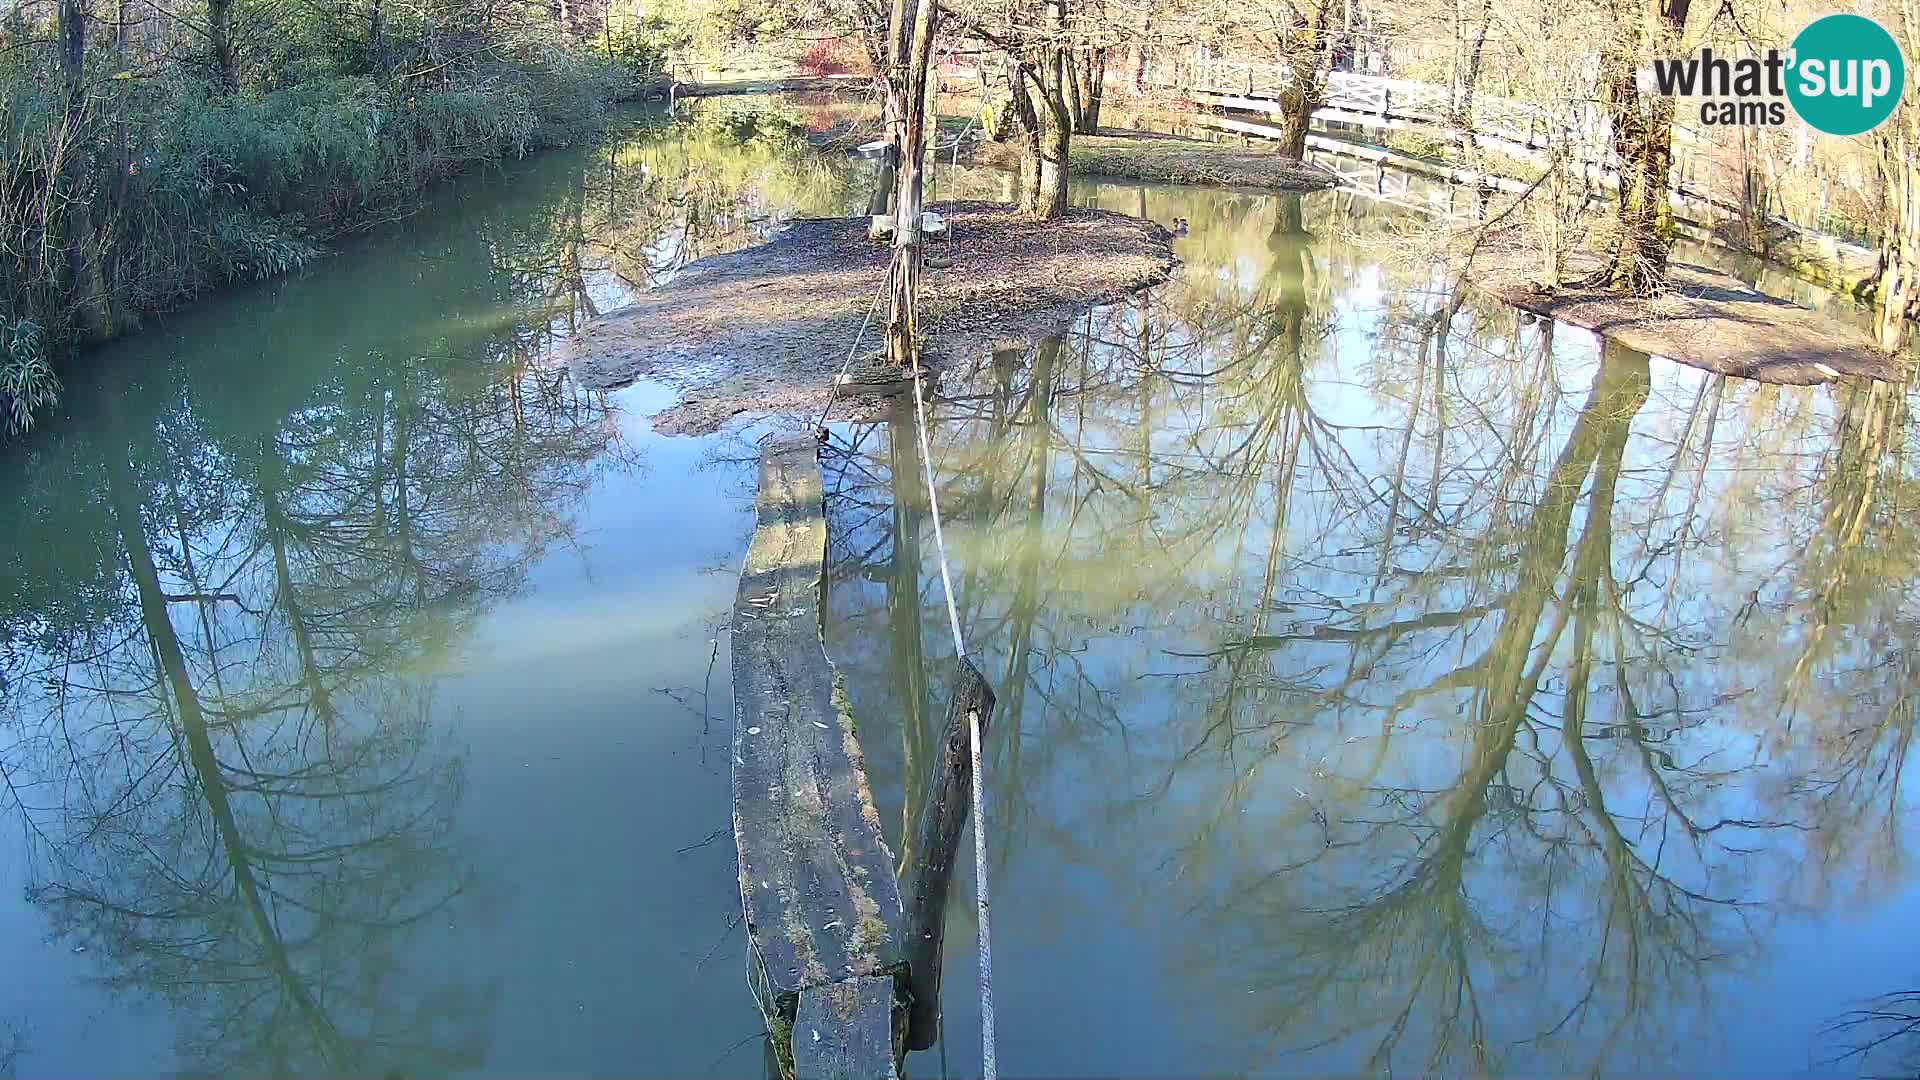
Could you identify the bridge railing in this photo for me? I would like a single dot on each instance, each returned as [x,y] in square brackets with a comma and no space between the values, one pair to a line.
[1521,129]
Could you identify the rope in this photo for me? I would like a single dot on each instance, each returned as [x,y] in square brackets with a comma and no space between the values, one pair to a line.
[839,380]
[933,503]
[988,1066]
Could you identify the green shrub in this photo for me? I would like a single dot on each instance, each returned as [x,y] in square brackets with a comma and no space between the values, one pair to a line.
[639,53]
[189,191]
[27,382]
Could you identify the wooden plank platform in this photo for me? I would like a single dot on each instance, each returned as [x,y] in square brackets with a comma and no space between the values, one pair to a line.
[817,882]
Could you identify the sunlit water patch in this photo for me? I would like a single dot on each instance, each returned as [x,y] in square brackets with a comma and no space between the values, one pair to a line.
[366,702]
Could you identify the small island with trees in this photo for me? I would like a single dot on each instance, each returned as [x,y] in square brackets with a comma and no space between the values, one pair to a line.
[1578,226]
[158,152]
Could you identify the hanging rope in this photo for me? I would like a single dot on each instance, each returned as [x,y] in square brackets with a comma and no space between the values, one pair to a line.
[988,1067]
[833,392]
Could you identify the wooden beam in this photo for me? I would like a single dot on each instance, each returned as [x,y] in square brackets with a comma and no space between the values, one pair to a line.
[845,1031]
[936,843]
[817,883]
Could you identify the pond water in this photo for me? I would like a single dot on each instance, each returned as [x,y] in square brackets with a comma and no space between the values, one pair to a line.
[1386,684]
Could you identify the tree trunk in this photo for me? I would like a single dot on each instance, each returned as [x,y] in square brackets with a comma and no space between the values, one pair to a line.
[1305,90]
[1047,118]
[122,131]
[73,50]
[1089,86]
[1898,140]
[1302,95]
[1455,55]
[1070,61]
[911,87]
[220,38]
[1898,292]
[1049,144]
[1026,184]
[1643,139]
[1003,120]
[88,302]
[377,38]
[898,48]
[1471,76]
[881,200]
[1642,127]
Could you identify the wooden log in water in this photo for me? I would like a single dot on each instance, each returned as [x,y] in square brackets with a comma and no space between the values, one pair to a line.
[843,1031]
[817,882]
[936,844]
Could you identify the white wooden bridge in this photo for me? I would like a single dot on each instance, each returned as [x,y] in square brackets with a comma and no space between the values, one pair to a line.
[1240,96]
[1520,129]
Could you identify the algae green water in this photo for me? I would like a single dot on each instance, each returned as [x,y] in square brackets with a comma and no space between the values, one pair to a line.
[1387,685]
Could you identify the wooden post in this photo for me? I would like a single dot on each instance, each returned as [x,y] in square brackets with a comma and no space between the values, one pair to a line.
[936,843]
[910,143]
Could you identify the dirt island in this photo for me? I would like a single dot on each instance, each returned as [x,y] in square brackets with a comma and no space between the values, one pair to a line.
[768,329]
[1703,318]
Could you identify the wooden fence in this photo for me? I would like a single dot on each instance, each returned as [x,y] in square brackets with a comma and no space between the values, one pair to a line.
[1519,130]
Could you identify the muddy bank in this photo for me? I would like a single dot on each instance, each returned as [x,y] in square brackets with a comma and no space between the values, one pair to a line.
[1175,159]
[1826,261]
[1709,320]
[767,329]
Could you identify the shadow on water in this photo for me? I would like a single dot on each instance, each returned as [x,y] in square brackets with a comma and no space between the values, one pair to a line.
[1392,684]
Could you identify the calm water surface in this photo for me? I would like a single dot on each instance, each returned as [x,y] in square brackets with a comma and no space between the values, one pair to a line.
[1389,685]
[1386,685]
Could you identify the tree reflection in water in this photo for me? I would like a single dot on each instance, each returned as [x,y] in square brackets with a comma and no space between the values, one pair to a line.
[1456,697]
[226,600]
[1424,688]
[238,785]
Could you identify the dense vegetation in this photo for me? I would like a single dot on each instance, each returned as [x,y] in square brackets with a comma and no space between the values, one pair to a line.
[153,152]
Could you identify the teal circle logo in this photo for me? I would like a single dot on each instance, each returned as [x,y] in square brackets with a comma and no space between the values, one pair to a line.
[1847,74]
